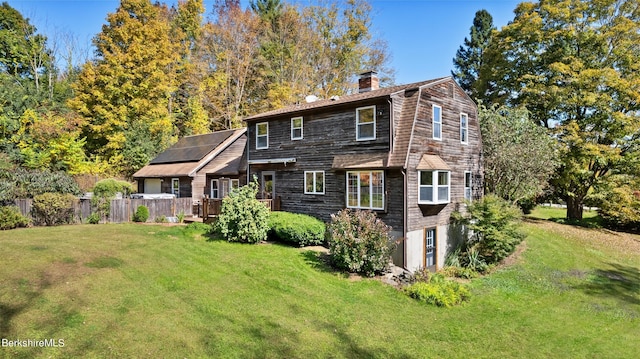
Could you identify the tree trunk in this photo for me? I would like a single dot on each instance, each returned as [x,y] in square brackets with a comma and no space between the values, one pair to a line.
[574,208]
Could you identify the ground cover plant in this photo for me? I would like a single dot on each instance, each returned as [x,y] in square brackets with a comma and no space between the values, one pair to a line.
[170,291]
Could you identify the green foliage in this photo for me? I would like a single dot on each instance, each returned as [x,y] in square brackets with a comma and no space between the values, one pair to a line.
[108,188]
[161,219]
[141,214]
[519,156]
[53,209]
[93,218]
[10,218]
[493,224]
[359,242]
[469,58]
[438,291]
[180,217]
[17,183]
[298,229]
[242,217]
[619,203]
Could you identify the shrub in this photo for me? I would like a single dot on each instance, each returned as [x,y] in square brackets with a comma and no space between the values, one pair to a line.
[242,217]
[93,218]
[104,191]
[438,291]
[10,218]
[298,229]
[16,183]
[141,214]
[359,242]
[493,222]
[161,219]
[53,208]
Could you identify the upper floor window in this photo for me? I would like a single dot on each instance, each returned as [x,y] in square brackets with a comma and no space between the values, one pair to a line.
[365,189]
[296,128]
[467,186]
[433,187]
[464,128]
[314,182]
[437,122]
[262,135]
[366,123]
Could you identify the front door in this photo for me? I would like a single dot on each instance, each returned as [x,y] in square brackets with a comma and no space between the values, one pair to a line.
[430,249]
[268,189]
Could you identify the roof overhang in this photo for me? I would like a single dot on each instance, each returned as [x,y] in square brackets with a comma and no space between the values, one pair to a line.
[273,161]
[432,162]
[378,160]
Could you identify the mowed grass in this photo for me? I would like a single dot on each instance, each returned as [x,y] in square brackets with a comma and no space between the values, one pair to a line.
[154,291]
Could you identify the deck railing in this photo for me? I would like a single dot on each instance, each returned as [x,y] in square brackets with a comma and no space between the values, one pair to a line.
[212,207]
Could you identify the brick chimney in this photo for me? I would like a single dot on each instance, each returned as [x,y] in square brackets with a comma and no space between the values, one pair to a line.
[368,82]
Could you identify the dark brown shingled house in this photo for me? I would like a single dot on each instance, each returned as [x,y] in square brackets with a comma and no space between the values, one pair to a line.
[411,153]
[196,166]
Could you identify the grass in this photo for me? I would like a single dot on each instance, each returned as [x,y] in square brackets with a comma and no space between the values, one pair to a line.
[156,291]
[590,218]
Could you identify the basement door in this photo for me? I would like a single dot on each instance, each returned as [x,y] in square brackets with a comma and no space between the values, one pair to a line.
[430,249]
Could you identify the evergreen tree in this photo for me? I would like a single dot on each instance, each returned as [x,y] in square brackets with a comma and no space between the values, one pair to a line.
[469,57]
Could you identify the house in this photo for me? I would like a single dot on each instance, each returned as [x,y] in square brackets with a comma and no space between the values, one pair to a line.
[197,166]
[411,153]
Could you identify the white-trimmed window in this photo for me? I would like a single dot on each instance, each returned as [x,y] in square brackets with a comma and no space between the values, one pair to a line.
[296,128]
[464,128]
[235,183]
[314,182]
[175,186]
[214,192]
[437,122]
[467,186]
[434,187]
[262,135]
[365,189]
[366,123]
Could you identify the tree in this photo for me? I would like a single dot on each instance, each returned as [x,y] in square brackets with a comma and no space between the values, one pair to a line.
[129,84]
[519,156]
[576,66]
[469,58]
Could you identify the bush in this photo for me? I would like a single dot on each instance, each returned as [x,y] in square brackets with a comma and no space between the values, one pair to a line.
[93,218]
[141,215]
[438,291]
[493,222]
[10,218]
[53,208]
[298,229]
[359,242]
[104,191]
[242,217]
[17,183]
[161,219]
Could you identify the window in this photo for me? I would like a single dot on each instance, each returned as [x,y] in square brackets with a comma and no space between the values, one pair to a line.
[464,128]
[296,128]
[437,122]
[366,123]
[214,189]
[467,186]
[365,189]
[175,186]
[262,135]
[430,248]
[314,182]
[235,183]
[433,187]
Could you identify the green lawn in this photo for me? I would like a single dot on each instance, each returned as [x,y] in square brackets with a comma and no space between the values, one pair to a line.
[154,291]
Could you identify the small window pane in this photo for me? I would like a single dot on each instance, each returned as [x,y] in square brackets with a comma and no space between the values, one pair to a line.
[365,131]
[443,194]
[426,194]
[443,178]
[365,115]
[426,178]
[262,129]
[262,142]
[309,182]
[319,182]
[352,190]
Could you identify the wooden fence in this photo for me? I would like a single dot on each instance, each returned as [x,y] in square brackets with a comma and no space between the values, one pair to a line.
[123,209]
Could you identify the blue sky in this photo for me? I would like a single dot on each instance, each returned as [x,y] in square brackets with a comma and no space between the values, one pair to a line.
[423,35]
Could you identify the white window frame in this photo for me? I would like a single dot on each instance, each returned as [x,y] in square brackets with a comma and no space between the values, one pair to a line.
[464,128]
[293,128]
[430,246]
[438,122]
[315,179]
[258,136]
[235,183]
[175,190]
[371,189]
[217,189]
[467,189]
[435,186]
[358,124]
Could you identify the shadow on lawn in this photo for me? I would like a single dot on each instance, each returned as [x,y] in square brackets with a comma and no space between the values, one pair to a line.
[620,281]
[319,261]
[9,310]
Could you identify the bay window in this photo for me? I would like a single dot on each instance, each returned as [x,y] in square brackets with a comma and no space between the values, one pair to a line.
[434,187]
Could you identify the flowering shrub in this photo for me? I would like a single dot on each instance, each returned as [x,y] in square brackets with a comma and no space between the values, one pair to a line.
[359,242]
